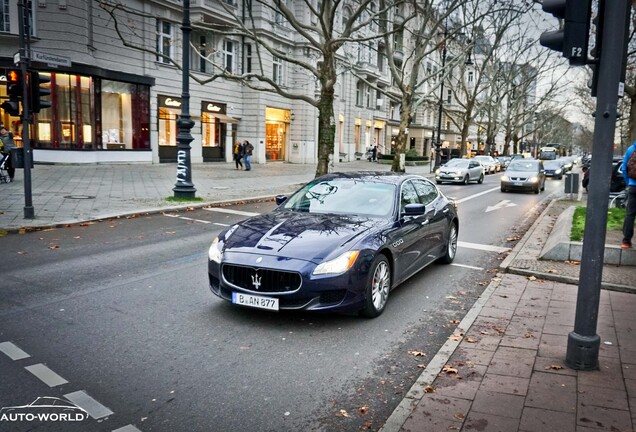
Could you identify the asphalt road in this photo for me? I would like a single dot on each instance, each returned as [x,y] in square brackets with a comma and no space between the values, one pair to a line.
[121,311]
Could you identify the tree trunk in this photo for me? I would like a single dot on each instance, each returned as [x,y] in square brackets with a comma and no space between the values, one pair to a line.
[400,141]
[326,131]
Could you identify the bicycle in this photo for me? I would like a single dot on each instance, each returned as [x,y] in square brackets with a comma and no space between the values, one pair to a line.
[618,200]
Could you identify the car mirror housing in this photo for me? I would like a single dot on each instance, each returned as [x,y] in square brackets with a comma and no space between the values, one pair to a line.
[414,209]
[280,199]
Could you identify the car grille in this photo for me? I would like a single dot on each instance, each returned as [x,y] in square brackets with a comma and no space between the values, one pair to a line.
[518,179]
[261,280]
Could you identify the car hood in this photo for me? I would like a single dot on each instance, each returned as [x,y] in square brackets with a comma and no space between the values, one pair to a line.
[452,169]
[288,234]
[522,174]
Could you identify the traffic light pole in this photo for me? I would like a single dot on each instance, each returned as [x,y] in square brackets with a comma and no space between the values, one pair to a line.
[23,19]
[583,342]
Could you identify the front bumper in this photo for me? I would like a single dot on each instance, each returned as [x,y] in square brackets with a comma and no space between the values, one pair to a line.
[344,292]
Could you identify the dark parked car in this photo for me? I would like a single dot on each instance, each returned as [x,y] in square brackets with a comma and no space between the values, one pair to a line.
[341,242]
[524,175]
[554,168]
[460,171]
[617,181]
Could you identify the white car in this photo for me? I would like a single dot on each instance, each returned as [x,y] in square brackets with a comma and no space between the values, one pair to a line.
[460,171]
[489,163]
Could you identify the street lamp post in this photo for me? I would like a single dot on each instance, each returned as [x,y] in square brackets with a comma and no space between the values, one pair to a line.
[184,188]
[438,141]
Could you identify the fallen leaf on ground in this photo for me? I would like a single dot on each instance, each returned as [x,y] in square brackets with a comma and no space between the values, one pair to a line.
[363,410]
[454,321]
[515,238]
[77,237]
[421,366]
[21,231]
[170,232]
[573,262]
[450,297]
[471,340]
[449,369]
[343,413]
[54,247]
[484,283]
[456,337]
[22,252]
[554,367]
[484,332]
[532,278]
[417,353]
[551,271]
[429,389]
[459,416]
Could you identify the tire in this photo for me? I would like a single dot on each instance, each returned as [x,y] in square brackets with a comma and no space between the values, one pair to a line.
[481,179]
[466,179]
[503,189]
[536,191]
[378,287]
[543,186]
[438,182]
[451,246]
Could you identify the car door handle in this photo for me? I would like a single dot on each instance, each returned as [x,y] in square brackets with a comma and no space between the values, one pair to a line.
[425,222]
[445,211]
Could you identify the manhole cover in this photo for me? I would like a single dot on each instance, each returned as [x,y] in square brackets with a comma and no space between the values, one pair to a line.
[79,197]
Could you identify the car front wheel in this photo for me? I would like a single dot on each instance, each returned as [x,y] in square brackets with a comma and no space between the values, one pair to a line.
[451,246]
[481,179]
[378,287]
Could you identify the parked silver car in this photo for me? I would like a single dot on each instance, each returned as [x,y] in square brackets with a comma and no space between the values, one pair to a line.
[460,171]
[489,163]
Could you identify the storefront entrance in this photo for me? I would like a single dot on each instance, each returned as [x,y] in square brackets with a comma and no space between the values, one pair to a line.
[276,124]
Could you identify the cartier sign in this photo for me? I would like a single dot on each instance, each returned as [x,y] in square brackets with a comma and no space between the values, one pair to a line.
[212,107]
[169,102]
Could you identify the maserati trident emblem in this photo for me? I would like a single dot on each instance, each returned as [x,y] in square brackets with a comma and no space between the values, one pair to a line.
[256,281]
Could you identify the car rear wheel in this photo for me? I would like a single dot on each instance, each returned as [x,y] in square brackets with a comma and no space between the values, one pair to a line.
[378,287]
[451,246]
[481,179]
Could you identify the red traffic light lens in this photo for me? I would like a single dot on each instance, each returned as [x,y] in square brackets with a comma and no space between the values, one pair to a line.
[13,76]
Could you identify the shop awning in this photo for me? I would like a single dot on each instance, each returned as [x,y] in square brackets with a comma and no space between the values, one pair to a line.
[226,119]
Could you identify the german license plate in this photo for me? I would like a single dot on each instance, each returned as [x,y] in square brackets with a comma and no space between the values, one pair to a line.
[517,184]
[255,301]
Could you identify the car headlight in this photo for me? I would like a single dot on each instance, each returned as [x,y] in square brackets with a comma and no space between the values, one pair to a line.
[558,171]
[437,171]
[337,265]
[215,253]
[505,178]
[533,179]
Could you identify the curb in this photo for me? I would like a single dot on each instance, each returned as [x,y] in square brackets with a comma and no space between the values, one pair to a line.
[412,398]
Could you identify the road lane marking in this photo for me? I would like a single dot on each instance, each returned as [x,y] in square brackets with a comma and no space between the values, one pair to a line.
[220,224]
[87,403]
[46,375]
[477,195]
[500,205]
[467,266]
[230,211]
[12,351]
[483,247]
[170,215]
[127,428]
[195,220]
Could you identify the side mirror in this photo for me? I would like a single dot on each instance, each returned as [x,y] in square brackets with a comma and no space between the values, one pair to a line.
[280,199]
[414,209]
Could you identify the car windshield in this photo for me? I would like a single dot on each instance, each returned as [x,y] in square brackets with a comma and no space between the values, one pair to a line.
[521,165]
[346,196]
[483,158]
[457,163]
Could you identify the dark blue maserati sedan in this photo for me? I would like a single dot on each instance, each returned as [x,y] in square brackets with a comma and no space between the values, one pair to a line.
[342,242]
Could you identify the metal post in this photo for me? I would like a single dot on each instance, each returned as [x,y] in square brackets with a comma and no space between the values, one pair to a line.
[184,188]
[583,342]
[438,143]
[25,32]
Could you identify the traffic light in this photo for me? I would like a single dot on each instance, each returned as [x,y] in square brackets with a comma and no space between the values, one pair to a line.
[15,86]
[38,91]
[572,39]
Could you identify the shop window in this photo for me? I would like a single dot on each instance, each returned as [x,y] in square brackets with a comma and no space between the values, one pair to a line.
[167,127]
[117,115]
[210,130]
[164,41]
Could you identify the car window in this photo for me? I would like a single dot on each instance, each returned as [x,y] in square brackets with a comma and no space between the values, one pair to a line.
[426,191]
[408,195]
[520,165]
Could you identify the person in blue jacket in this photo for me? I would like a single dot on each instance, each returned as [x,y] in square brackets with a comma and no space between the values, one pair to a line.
[630,214]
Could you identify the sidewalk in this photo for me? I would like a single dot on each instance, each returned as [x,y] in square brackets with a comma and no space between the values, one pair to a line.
[504,367]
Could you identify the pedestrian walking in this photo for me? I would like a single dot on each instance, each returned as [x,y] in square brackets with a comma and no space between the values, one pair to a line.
[247,152]
[6,144]
[374,153]
[630,208]
[238,154]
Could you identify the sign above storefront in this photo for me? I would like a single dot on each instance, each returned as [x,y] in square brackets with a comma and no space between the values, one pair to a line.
[169,102]
[212,107]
